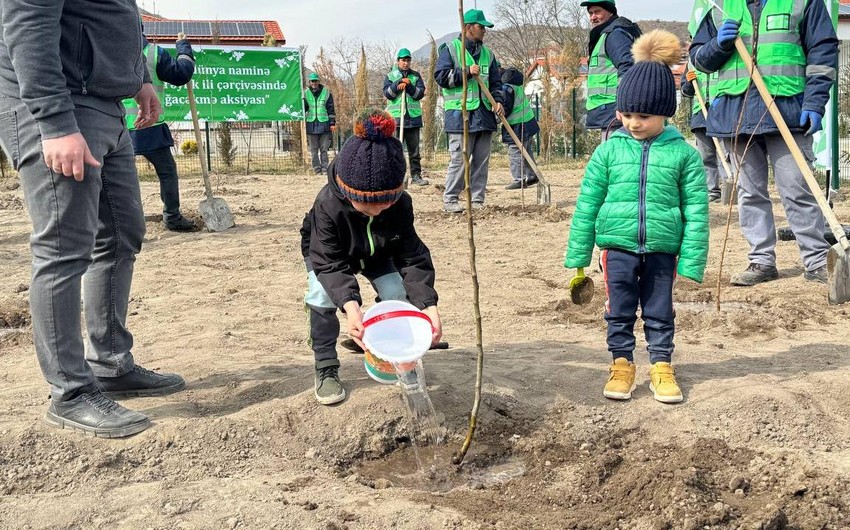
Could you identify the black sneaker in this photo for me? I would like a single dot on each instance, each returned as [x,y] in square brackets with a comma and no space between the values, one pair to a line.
[181,224]
[419,181]
[515,185]
[328,388]
[351,346]
[819,275]
[531,181]
[96,415]
[713,198]
[754,274]
[140,382]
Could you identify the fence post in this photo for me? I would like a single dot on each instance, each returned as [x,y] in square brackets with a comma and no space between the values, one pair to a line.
[537,117]
[574,122]
[209,147]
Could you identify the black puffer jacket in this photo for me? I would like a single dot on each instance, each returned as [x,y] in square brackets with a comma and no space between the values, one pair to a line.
[339,242]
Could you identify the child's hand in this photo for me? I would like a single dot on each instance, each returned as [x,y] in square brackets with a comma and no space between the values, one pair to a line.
[355,322]
[437,326]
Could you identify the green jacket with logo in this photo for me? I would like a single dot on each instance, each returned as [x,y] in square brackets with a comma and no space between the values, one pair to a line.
[643,196]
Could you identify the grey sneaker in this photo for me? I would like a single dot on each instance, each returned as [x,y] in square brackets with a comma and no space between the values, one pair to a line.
[419,181]
[818,275]
[754,274]
[452,207]
[329,389]
[140,382]
[477,205]
[96,415]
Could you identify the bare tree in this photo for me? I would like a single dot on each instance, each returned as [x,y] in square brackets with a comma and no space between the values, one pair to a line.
[361,82]
[431,129]
[340,88]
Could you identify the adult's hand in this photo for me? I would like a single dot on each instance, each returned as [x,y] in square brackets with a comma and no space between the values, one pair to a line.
[149,107]
[474,69]
[499,109]
[333,128]
[691,75]
[181,36]
[812,117]
[727,34]
[68,155]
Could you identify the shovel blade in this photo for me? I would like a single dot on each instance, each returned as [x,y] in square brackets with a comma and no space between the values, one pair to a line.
[216,214]
[544,193]
[581,290]
[838,268]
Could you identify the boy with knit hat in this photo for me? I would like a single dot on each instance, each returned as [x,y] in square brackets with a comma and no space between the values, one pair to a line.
[362,222]
[644,203]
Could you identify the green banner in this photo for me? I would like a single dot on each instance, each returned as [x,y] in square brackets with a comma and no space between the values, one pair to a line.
[240,84]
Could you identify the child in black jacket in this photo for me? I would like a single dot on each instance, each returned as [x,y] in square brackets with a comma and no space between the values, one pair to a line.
[362,222]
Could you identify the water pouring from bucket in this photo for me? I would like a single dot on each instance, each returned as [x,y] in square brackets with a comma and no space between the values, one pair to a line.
[396,335]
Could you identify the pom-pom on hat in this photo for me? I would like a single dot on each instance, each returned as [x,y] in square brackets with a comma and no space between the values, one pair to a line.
[648,87]
[370,166]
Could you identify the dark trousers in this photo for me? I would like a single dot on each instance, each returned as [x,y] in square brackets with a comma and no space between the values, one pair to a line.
[411,140]
[169,189]
[645,279]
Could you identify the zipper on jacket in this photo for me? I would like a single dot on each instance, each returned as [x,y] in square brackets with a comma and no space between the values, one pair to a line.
[644,166]
[369,236]
[80,60]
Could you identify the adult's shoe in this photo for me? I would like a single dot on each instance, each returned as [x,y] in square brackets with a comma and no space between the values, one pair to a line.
[754,274]
[452,207]
[515,185]
[818,275]
[418,180]
[96,415]
[181,224]
[140,382]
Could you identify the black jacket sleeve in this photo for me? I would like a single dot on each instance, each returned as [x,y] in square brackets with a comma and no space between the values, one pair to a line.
[330,108]
[330,262]
[618,46]
[413,261]
[687,86]
[176,70]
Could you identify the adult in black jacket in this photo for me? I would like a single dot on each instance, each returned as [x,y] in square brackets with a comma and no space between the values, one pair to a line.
[320,118]
[362,222]
[155,143]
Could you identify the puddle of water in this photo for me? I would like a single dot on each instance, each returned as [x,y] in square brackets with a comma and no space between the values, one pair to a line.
[706,307]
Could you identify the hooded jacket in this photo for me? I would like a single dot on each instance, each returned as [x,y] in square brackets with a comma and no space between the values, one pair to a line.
[338,241]
[622,33]
[512,77]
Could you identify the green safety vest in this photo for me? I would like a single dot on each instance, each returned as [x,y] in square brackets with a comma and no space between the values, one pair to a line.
[318,111]
[781,58]
[151,53]
[414,110]
[453,97]
[522,111]
[601,77]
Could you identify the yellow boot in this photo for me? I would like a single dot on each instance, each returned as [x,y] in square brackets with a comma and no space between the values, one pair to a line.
[621,382]
[662,383]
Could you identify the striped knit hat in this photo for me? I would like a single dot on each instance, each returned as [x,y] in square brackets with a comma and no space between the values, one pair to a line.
[370,166]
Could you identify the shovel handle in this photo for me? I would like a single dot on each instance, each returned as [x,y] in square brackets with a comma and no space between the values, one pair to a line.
[802,163]
[717,145]
[202,152]
[510,130]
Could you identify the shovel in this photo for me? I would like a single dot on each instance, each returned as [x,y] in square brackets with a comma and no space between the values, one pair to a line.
[581,288]
[724,159]
[838,258]
[544,192]
[215,212]
[401,131]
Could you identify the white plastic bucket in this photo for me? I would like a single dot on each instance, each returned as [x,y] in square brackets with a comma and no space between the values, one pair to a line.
[396,331]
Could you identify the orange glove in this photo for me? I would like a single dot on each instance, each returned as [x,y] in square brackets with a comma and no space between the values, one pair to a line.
[691,75]
[402,85]
[333,128]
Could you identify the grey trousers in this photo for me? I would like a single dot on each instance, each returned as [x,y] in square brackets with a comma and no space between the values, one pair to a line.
[520,168]
[319,144]
[478,146]
[714,172]
[87,233]
[755,210]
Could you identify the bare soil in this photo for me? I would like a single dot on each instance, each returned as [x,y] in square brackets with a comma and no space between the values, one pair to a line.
[762,440]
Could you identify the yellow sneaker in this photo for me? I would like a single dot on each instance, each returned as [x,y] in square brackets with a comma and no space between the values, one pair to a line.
[621,382]
[662,383]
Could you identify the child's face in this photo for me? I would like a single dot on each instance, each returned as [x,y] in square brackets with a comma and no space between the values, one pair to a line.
[372,209]
[642,126]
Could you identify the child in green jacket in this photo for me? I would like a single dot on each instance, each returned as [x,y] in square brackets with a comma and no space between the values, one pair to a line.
[644,203]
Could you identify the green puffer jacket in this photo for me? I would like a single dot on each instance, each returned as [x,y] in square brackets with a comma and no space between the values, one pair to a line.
[643,196]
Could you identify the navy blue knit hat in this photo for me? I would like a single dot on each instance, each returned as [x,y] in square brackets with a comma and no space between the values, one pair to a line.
[370,166]
[648,87]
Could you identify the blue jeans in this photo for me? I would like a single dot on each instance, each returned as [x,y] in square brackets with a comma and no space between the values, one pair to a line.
[169,188]
[645,279]
[84,233]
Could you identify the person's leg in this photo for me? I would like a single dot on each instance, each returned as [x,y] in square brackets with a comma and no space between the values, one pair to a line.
[412,141]
[454,174]
[619,269]
[755,211]
[657,276]
[313,144]
[324,145]
[706,148]
[169,191]
[804,215]
[323,334]
[480,164]
[528,174]
[515,163]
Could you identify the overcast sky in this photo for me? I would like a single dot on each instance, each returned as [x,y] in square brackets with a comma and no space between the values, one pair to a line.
[404,22]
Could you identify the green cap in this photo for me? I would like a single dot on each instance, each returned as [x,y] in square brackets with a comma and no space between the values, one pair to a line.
[476,16]
[403,53]
[313,77]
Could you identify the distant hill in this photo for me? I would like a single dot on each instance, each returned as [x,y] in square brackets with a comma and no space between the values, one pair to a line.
[680,29]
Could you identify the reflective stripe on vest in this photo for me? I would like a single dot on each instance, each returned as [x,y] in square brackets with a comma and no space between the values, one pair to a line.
[779,53]
[601,77]
[452,97]
[414,110]
[522,112]
[151,54]
[318,110]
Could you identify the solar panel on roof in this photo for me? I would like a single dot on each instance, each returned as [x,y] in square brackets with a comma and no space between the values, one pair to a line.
[253,29]
[229,29]
[201,29]
[162,28]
